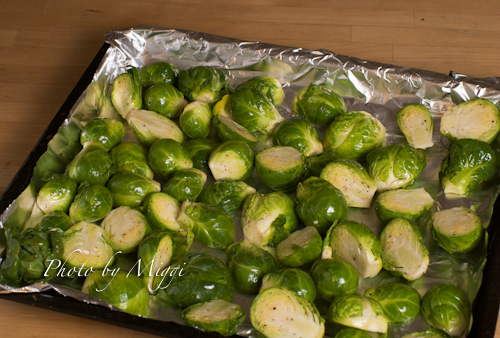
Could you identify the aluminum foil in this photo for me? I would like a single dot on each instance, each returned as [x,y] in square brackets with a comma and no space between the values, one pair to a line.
[376,88]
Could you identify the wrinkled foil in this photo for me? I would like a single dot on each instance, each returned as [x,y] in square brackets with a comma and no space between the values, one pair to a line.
[379,89]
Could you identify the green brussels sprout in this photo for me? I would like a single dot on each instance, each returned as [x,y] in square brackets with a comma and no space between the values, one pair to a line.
[402,203]
[400,302]
[254,111]
[395,166]
[354,243]
[150,127]
[124,291]
[281,168]
[202,278]
[352,180]
[199,151]
[300,248]
[91,204]
[195,119]
[165,100]
[223,107]
[126,228]
[268,219]
[299,134]
[269,86]
[446,307]
[320,204]
[359,312]
[318,104]
[57,194]
[86,246]
[93,165]
[350,332]
[57,219]
[107,131]
[202,83]
[279,312]
[430,333]
[469,163]
[159,72]
[354,135]
[227,194]
[319,161]
[334,277]
[127,92]
[228,129]
[477,119]
[162,210]
[294,279]
[156,252]
[214,316]
[130,190]
[416,124]
[457,229]
[132,157]
[248,265]
[185,185]
[232,161]
[168,156]
[211,224]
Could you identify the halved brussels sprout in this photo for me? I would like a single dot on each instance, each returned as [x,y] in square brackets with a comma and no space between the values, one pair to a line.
[93,165]
[127,92]
[227,194]
[202,83]
[214,316]
[294,279]
[430,333]
[129,189]
[92,204]
[299,134]
[319,161]
[165,100]
[318,104]
[400,302]
[223,107]
[416,124]
[457,229]
[280,312]
[57,219]
[395,166]
[477,119]
[107,131]
[159,72]
[199,151]
[132,157]
[269,86]
[162,210]
[334,277]
[281,168]
[232,160]
[228,129]
[350,332]
[352,180]
[248,265]
[155,252]
[300,248]
[57,194]
[167,156]
[195,119]
[402,203]
[150,127]
[446,307]
[185,185]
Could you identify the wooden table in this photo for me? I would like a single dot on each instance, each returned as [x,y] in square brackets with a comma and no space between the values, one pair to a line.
[45,45]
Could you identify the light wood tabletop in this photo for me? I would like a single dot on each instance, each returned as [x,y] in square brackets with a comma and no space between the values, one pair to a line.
[45,46]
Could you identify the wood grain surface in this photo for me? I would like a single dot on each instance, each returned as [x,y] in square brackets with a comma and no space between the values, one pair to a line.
[45,45]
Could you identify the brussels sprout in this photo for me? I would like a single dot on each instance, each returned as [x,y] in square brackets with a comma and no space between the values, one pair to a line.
[227,194]
[165,100]
[281,168]
[299,134]
[350,332]
[91,204]
[359,312]
[86,246]
[159,72]
[211,224]
[199,151]
[320,204]
[395,166]
[57,219]
[130,190]
[167,156]
[162,210]
[228,129]
[403,252]
[199,278]
[269,86]
[279,312]
[402,203]
[334,277]
[150,127]
[319,161]
[248,265]
[132,157]
[253,110]
[185,185]
[268,219]
[476,119]
[400,302]
[124,291]
[107,131]
[155,252]
[318,104]
[457,229]
[93,165]
[354,135]
[232,160]
[352,180]
[214,316]
[430,333]
[300,248]
[195,119]
[446,307]
[469,163]
[127,93]
[354,243]
[57,194]
[416,124]
[293,279]
[202,83]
